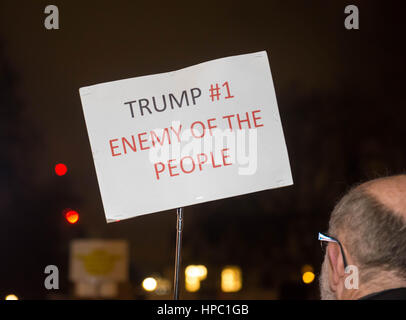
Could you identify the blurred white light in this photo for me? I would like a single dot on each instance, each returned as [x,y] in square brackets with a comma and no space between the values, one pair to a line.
[198,271]
[149,284]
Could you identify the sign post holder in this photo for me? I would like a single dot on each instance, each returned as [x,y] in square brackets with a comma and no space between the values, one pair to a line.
[179,228]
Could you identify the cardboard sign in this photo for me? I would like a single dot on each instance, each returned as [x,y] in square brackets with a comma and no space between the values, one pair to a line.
[174,139]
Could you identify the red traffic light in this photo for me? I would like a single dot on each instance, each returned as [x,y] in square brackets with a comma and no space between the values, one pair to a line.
[61,169]
[72,216]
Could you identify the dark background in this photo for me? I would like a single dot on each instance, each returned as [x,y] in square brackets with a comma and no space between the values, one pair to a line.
[341,99]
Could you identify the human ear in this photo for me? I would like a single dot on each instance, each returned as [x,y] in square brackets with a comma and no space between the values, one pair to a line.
[336,265]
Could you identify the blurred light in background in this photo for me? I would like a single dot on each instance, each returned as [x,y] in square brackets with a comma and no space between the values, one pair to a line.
[163,286]
[308,277]
[193,276]
[231,279]
[61,169]
[72,216]
[307,274]
[149,284]
[307,268]
[11,297]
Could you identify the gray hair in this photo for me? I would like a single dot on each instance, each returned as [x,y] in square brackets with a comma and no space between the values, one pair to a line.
[373,234]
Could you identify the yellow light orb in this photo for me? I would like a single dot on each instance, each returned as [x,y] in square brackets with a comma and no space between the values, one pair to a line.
[193,275]
[308,277]
[231,279]
[11,297]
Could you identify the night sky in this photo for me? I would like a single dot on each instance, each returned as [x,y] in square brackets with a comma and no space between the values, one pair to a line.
[341,100]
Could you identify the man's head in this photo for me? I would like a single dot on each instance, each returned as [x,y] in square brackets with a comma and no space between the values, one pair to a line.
[370,223]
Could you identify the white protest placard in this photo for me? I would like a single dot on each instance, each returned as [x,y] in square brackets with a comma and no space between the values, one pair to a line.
[202,133]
